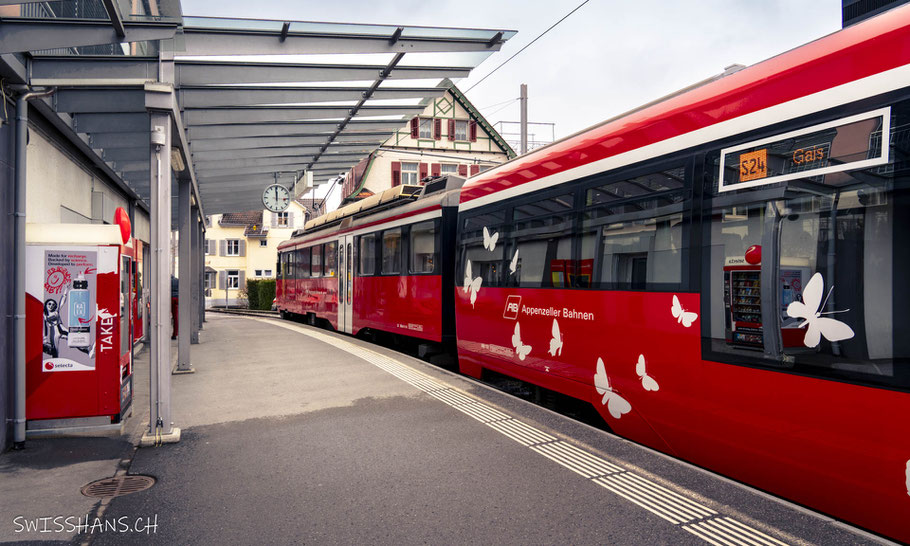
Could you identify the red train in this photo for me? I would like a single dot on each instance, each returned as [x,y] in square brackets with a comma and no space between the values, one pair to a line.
[720,273]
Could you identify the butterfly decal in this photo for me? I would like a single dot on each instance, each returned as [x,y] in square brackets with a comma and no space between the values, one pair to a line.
[616,404]
[686,318]
[513,265]
[907,472]
[489,241]
[810,310]
[521,349]
[647,381]
[471,283]
[556,342]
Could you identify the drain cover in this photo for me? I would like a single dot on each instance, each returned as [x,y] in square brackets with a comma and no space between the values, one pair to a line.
[117,486]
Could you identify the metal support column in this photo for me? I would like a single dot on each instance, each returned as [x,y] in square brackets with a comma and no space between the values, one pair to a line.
[185,275]
[195,286]
[161,428]
[524,118]
[201,279]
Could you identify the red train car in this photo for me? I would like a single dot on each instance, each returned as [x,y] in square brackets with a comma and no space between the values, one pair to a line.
[378,265]
[722,273]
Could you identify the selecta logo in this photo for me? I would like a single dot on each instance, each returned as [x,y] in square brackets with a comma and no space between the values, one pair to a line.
[48,366]
[513,305]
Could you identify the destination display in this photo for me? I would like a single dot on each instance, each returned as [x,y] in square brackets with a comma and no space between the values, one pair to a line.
[849,143]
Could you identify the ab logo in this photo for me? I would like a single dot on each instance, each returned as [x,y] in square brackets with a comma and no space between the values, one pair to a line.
[513,305]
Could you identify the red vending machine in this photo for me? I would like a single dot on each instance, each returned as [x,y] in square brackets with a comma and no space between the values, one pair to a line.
[78,310]
[743,302]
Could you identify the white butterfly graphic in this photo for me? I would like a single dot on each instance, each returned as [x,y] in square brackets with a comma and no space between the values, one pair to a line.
[686,318]
[513,265]
[471,283]
[556,342]
[647,381]
[908,477]
[810,309]
[520,348]
[489,241]
[616,404]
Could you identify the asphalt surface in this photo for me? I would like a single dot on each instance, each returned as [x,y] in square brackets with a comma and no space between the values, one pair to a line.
[292,435]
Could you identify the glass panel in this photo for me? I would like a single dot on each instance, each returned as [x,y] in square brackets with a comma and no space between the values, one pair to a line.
[316,261]
[423,247]
[303,263]
[348,276]
[368,254]
[391,251]
[540,245]
[808,279]
[330,258]
[481,233]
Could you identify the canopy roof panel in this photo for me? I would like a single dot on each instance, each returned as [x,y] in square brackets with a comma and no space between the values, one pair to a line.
[252,100]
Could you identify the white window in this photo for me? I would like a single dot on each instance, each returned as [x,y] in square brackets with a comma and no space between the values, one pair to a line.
[233,247]
[425,129]
[263,242]
[267,273]
[233,278]
[448,168]
[461,130]
[208,245]
[282,218]
[409,173]
[258,273]
[209,280]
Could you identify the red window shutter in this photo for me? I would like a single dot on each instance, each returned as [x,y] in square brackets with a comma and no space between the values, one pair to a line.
[437,128]
[451,129]
[475,169]
[463,170]
[415,128]
[396,173]
[423,171]
[472,131]
[435,169]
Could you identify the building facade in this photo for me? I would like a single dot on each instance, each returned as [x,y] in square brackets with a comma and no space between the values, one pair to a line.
[449,137]
[244,245]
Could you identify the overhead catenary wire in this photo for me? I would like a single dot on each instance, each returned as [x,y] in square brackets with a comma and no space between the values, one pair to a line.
[539,36]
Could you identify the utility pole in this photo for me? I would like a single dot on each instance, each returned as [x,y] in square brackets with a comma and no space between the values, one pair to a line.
[523,98]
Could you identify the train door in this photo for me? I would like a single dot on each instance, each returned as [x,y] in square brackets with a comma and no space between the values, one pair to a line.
[346,283]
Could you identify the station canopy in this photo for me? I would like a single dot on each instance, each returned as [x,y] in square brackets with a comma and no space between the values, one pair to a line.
[252,101]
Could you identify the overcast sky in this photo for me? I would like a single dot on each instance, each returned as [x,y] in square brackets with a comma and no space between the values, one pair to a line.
[608,57]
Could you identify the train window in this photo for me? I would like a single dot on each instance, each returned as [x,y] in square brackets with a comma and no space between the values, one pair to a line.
[391,251]
[632,233]
[481,244]
[330,259]
[303,263]
[368,254]
[316,261]
[540,244]
[423,247]
[806,274]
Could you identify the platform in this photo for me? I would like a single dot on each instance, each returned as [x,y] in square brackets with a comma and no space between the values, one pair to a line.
[293,434]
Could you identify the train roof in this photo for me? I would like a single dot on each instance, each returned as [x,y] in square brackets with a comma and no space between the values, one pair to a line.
[394,203]
[818,71]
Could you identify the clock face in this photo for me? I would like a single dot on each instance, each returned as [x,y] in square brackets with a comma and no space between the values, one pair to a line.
[276,198]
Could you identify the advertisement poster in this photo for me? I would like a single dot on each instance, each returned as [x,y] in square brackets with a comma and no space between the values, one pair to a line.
[70,293]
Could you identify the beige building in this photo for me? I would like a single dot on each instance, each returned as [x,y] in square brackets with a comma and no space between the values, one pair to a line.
[244,245]
[450,136]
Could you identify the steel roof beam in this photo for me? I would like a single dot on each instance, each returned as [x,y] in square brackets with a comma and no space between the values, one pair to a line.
[100,100]
[215,173]
[206,97]
[111,123]
[107,141]
[113,12]
[210,72]
[21,35]
[125,154]
[201,42]
[303,128]
[203,166]
[78,71]
[255,152]
[213,116]
[257,142]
